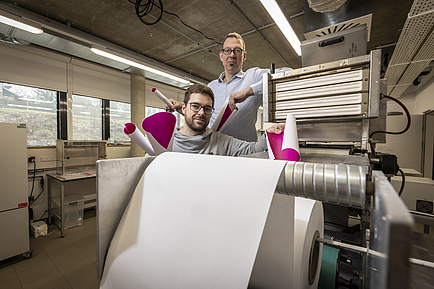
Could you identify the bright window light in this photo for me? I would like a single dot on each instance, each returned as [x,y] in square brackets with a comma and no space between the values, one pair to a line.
[274,10]
[35,100]
[18,22]
[27,106]
[138,65]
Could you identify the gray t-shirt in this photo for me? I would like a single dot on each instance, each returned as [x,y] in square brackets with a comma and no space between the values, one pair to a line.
[217,144]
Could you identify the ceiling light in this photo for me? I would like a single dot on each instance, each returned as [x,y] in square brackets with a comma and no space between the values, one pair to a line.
[274,10]
[20,23]
[138,65]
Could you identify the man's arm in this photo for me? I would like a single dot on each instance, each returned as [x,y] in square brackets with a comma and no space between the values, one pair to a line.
[240,96]
[176,105]
[237,147]
[254,87]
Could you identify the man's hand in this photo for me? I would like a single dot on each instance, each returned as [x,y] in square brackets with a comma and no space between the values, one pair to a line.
[276,128]
[176,105]
[238,97]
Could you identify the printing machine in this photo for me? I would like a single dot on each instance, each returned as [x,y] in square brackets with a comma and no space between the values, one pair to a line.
[338,106]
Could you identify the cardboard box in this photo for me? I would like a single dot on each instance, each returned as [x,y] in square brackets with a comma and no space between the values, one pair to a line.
[39,228]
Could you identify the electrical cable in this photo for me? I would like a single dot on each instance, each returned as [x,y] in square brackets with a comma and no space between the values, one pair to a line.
[32,202]
[46,211]
[402,183]
[33,181]
[144,8]
[391,132]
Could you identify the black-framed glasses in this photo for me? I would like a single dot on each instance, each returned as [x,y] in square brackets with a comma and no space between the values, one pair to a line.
[237,51]
[196,108]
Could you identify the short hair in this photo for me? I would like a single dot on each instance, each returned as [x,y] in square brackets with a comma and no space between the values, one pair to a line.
[235,35]
[198,88]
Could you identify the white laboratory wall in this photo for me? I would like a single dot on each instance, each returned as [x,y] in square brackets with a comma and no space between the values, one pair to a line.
[425,97]
[408,146]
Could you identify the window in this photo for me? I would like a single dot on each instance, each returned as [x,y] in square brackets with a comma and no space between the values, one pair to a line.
[120,114]
[152,110]
[35,107]
[86,118]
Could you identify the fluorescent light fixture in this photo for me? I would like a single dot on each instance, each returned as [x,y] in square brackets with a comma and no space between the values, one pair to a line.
[20,23]
[78,105]
[35,100]
[138,65]
[274,10]
[84,112]
[27,106]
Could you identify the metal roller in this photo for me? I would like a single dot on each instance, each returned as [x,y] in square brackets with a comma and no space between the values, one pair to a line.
[331,183]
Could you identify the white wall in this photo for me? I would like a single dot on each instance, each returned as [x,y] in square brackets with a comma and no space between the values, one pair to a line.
[408,146]
[425,97]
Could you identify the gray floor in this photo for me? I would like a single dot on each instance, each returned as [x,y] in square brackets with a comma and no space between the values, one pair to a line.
[68,262]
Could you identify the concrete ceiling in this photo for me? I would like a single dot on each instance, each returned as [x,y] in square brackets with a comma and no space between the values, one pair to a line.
[170,44]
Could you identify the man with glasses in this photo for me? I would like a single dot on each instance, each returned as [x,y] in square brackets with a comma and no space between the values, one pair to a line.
[244,89]
[196,137]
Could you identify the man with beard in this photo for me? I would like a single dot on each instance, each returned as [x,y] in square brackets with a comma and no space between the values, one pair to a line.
[196,137]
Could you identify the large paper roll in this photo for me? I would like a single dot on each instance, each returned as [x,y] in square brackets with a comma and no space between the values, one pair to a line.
[309,224]
[204,228]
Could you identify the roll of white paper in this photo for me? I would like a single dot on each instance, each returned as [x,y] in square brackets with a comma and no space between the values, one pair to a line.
[309,224]
[137,136]
[202,232]
[162,97]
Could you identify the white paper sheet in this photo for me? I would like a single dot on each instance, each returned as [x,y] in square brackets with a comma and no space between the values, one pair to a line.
[222,118]
[201,230]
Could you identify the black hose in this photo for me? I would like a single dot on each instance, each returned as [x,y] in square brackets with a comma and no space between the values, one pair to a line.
[403,182]
[407,113]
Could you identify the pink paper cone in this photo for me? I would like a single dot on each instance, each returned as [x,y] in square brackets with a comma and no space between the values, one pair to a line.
[161,126]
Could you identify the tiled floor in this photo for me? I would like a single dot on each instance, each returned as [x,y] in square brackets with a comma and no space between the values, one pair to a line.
[68,262]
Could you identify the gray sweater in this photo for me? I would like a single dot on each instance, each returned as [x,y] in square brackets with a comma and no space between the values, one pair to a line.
[217,144]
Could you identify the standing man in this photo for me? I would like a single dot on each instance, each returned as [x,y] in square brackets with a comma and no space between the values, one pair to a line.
[244,89]
[196,137]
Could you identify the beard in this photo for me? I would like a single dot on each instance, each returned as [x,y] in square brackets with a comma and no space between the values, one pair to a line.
[196,127]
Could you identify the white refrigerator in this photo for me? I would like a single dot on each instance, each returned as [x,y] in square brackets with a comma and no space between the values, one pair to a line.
[14,214]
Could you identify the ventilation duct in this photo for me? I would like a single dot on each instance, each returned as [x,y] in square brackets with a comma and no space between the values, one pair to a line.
[351,14]
[322,6]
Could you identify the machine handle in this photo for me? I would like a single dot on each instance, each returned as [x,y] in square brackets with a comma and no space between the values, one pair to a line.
[331,41]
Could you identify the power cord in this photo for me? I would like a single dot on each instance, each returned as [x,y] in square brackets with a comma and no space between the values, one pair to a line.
[391,132]
[144,7]
[402,183]
[42,190]
[33,180]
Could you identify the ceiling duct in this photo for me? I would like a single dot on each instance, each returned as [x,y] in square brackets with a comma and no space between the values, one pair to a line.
[322,6]
[351,14]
